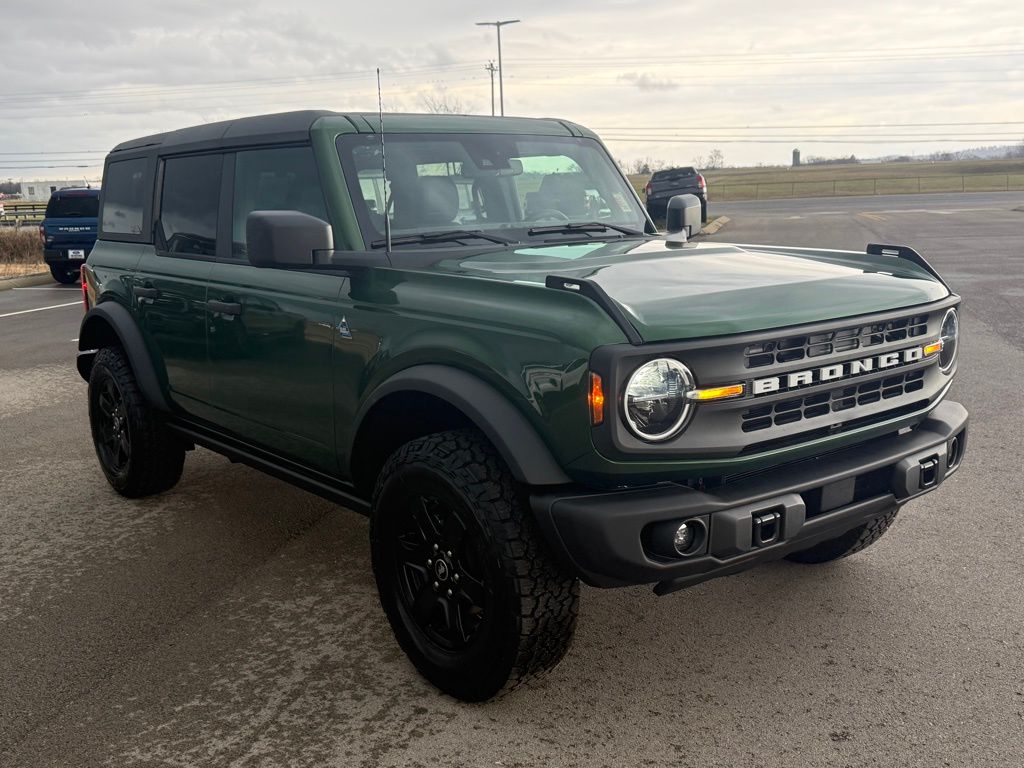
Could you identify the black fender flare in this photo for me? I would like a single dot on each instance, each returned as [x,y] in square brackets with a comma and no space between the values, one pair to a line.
[523,450]
[94,333]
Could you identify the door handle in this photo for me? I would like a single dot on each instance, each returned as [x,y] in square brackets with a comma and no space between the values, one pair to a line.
[146,292]
[224,307]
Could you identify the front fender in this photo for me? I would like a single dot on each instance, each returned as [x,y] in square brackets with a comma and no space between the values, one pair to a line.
[508,430]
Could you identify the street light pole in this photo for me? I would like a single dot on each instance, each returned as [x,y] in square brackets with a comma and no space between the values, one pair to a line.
[501,70]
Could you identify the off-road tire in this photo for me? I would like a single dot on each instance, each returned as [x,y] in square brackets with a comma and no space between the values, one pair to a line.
[64,275]
[849,543]
[534,604]
[156,456]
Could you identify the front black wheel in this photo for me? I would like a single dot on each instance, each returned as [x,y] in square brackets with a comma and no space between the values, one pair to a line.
[138,454]
[474,597]
[64,275]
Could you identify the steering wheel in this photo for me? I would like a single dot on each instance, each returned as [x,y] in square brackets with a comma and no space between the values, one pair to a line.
[549,213]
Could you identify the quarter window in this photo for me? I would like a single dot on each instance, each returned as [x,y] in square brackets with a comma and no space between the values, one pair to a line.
[124,196]
[188,204]
[283,179]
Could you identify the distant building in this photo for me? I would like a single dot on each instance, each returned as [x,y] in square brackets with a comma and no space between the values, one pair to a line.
[40,191]
[796,157]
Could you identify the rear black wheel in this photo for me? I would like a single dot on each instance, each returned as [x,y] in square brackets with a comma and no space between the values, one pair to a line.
[849,543]
[470,590]
[64,275]
[138,454]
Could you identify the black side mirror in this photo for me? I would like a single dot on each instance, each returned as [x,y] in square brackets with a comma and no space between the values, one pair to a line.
[683,215]
[285,238]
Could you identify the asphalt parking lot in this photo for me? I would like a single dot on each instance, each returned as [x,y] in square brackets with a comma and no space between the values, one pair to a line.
[234,620]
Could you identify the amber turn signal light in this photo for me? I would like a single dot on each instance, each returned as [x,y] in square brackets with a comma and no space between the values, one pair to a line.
[932,349]
[596,400]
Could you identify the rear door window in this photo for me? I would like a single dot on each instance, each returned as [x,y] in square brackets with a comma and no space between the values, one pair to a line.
[73,206]
[125,190]
[189,201]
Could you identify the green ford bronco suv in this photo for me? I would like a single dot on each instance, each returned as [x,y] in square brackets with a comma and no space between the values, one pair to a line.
[469,329]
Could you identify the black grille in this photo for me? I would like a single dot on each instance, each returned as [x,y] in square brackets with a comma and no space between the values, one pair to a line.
[843,398]
[795,348]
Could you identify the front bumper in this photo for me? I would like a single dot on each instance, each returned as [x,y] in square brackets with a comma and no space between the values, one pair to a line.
[605,537]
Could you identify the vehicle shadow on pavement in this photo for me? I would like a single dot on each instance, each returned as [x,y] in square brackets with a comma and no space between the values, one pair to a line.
[236,619]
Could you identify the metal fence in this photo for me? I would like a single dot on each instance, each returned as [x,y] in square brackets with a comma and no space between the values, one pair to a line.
[766,190]
[18,214]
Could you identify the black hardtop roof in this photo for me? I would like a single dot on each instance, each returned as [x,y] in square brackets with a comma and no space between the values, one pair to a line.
[295,127]
[76,191]
[281,126]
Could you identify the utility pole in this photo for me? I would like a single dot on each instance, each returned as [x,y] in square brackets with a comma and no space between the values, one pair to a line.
[501,70]
[492,69]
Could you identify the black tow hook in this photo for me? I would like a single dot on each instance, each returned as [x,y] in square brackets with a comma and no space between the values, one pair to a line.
[767,528]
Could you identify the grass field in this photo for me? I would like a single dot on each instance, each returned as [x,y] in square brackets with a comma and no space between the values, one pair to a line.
[860,179]
[20,252]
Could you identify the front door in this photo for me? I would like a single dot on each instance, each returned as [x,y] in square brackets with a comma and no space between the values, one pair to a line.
[271,331]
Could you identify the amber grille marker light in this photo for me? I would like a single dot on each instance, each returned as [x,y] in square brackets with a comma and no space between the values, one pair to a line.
[596,399]
[716,393]
[933,348]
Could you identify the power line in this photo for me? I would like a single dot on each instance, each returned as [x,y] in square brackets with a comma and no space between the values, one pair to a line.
[801,140]
[190,87]
[814,126]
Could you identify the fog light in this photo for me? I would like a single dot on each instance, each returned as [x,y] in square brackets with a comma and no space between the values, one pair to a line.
[953,453]
[684,538]
[677,538]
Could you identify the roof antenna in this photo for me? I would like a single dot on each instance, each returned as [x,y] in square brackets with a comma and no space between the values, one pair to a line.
[384,170]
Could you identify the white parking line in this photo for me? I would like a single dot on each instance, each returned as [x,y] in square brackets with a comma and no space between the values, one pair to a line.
[40,309]
[43,288]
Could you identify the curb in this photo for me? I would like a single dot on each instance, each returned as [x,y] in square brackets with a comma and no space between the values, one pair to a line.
[714,226]
[25,281]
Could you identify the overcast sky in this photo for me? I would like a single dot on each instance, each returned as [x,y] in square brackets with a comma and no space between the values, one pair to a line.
[750,77]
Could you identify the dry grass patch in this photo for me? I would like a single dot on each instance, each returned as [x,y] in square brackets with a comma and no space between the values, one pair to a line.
[20,252]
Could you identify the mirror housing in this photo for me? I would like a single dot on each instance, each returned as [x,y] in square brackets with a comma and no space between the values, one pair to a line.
[285,238]
[683,215]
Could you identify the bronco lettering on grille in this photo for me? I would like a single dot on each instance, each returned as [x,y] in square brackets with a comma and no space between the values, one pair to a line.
[837,371]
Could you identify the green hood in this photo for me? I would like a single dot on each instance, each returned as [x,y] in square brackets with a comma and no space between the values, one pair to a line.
[709,289]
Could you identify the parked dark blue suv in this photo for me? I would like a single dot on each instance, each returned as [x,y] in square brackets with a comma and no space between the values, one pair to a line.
[69,231]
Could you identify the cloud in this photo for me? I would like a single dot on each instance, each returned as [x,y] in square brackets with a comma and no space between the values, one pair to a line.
[646,82]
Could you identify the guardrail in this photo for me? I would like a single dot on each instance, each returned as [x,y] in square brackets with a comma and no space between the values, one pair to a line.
[19,214]
[766,190]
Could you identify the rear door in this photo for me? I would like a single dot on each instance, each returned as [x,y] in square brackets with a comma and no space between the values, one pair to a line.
[169,286]
[271,331]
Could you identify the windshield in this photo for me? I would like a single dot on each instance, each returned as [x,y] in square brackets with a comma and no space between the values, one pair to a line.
[501,184]
[73,207]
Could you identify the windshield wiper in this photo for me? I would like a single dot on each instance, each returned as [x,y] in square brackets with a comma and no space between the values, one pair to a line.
[449,236]
[584,226]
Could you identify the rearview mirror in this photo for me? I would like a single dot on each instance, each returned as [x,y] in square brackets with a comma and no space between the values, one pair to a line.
[683,215]
[285,238]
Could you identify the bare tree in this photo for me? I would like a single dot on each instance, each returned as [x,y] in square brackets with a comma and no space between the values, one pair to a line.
[712,162]
[643,165]
[441,101]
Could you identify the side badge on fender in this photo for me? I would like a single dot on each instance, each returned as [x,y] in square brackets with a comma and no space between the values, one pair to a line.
[343,330]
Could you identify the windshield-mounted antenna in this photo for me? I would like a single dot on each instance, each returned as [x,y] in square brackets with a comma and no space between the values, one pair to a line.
[384,170]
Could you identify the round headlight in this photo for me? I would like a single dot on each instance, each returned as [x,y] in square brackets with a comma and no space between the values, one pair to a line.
[949,334]
[655,405]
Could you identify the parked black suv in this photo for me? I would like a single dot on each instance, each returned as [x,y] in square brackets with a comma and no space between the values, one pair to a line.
[664,185]
[68,232]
